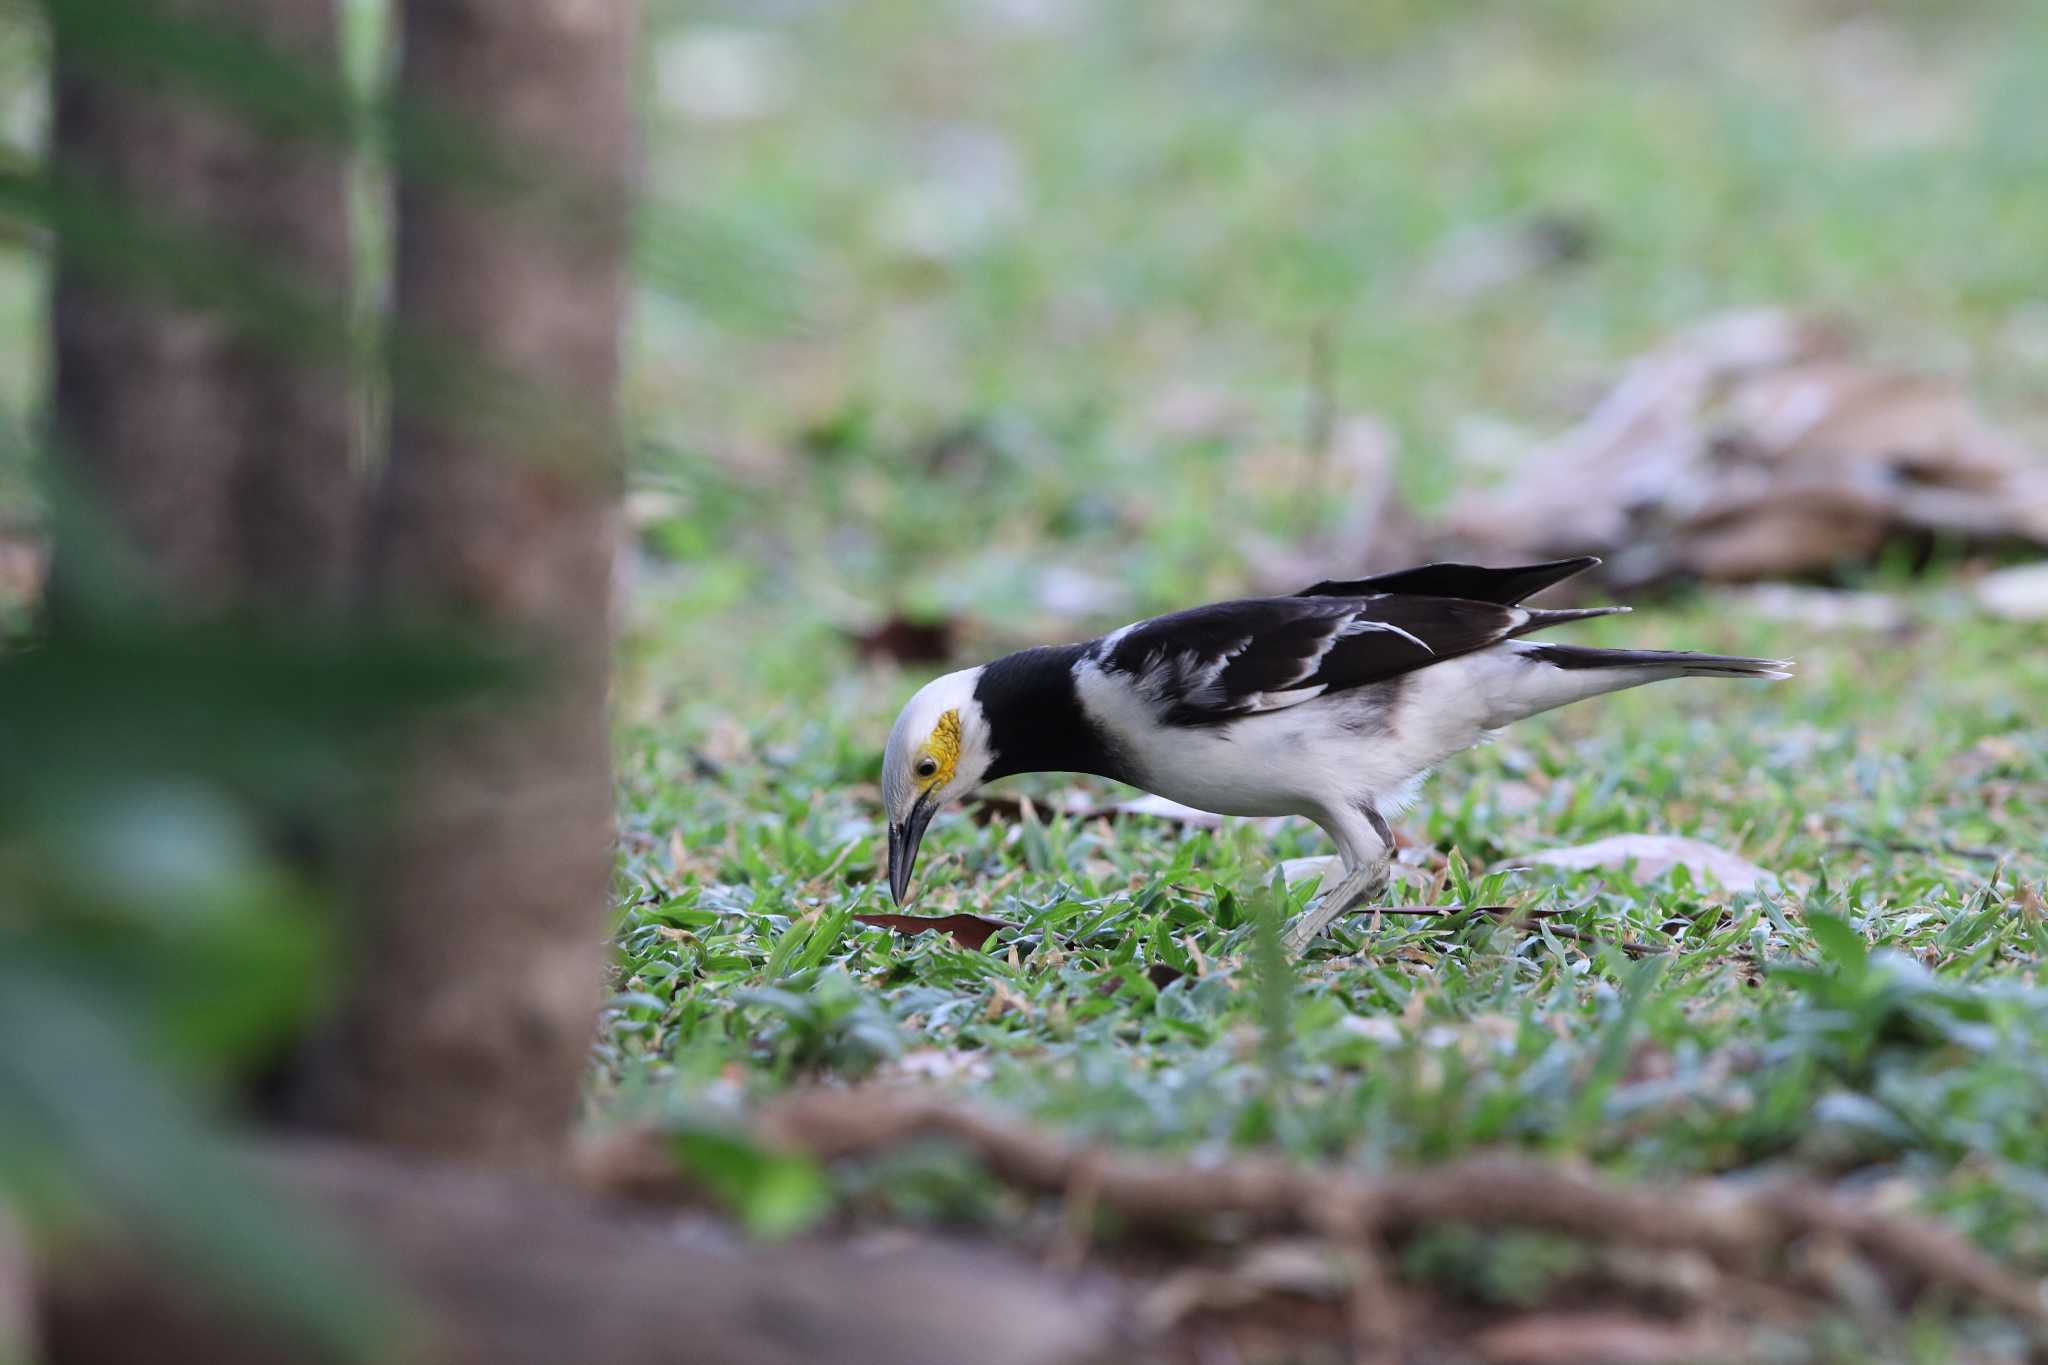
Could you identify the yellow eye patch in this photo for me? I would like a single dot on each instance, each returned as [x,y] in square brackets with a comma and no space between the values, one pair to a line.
[943,748]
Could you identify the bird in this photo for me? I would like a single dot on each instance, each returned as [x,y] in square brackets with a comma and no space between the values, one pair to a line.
[1333,704]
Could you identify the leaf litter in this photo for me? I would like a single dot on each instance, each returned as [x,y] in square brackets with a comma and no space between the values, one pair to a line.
[1761,446]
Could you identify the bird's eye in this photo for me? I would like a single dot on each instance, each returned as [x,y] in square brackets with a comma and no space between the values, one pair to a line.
[926,767]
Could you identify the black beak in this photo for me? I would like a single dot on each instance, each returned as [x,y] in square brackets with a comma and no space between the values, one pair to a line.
[903,842]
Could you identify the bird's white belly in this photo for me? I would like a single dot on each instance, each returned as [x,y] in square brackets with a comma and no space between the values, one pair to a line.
[1353,749]
[1214,774]
[1300,761]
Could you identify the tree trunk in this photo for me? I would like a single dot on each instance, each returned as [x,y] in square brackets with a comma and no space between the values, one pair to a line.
[212,432]
[484,918]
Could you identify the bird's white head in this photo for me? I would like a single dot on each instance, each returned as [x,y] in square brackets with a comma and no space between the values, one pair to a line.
[938,752]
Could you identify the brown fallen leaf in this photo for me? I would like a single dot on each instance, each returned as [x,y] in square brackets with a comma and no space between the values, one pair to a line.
[1655,854]
[1161,975]
[1757,446]
[969,931]
[905,641]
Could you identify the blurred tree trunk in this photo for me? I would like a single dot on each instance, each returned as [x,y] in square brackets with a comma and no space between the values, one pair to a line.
[211,429]
[474,999]
[482,905]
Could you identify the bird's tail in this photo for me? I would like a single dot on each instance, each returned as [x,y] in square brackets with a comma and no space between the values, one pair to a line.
[1662,663]
[1543,677]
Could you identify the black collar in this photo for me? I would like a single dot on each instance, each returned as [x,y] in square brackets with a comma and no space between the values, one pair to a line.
[1035,720]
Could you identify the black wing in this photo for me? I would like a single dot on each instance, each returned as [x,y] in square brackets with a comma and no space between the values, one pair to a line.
[1504,586]
[1233,659]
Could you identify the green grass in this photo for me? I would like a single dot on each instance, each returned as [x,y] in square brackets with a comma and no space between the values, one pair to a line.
[1880,1016]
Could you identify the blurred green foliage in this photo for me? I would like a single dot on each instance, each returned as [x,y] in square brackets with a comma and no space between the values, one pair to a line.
[171,799]
[154,951]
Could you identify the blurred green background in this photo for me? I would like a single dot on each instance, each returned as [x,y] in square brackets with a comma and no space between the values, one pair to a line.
[930,286]
[1020,306]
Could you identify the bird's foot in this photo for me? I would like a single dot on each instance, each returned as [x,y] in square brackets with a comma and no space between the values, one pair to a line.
[1361,884]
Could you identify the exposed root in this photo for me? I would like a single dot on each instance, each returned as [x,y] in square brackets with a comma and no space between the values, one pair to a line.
[1742,1231]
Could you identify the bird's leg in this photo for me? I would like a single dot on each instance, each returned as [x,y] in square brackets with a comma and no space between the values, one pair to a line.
[1361,884]
[1365,878]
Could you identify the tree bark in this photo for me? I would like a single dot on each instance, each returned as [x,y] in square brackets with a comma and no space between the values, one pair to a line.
[474,999]
[213,436]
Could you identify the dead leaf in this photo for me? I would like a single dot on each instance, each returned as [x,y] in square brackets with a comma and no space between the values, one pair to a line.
[904,641]
[969,931]
[1757,446]
[1004,1000]
[1655,854]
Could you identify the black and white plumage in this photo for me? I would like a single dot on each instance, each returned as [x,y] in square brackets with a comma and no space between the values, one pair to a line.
[1332,704]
